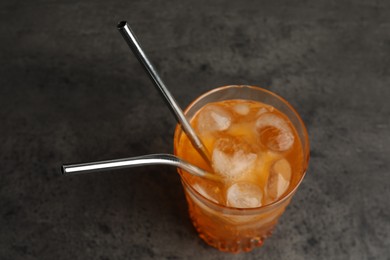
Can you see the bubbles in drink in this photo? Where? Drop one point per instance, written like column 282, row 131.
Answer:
column 232, row 158
column 278, row 179
column 244, row 195
column 213, row 118
column 274, row 132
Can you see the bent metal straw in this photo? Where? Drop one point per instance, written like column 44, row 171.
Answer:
column 151, row 159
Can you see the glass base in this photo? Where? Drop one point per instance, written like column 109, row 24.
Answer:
column 237, row 245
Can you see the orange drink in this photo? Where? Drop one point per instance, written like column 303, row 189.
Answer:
column 258, row 145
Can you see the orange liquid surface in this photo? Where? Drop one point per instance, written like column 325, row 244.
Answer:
column 235, row 132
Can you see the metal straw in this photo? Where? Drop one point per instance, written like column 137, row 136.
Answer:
column 151, row 159
column 132, row 41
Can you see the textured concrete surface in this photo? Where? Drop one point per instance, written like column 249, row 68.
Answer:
column 70, row 91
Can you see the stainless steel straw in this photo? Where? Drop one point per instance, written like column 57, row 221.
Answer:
column 150, row 159
column 134, row 45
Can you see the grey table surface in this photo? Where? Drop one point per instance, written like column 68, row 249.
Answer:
column 70, row 91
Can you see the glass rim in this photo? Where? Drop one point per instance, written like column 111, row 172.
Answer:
column 286, row 196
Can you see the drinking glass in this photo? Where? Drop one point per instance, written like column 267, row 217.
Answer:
column 239, row 229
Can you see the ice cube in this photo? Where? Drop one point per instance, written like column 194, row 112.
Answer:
column 275, row 132
column 208, row 195
column 262, row 110
column 244, row 195
column 265, row 109
column 232, row 158
column 279, row 179
column 213, row 118
column 242, row 109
